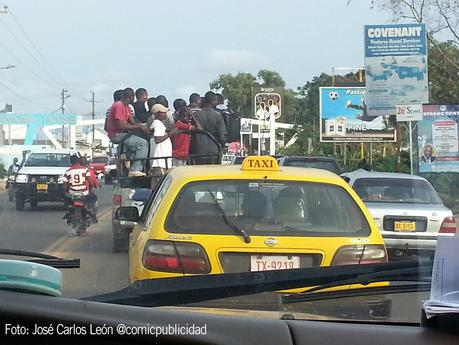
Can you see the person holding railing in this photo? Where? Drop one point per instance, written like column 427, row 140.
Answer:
column 122, row 129
column 207, row 145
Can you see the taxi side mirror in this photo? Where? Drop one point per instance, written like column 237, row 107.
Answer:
column 127, row 213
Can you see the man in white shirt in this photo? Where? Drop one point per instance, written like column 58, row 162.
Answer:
column 160, row 142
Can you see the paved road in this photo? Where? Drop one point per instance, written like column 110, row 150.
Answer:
column 42, row 229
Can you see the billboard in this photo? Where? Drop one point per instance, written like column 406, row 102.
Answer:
column 395, row 66
column 344, row 117
column 35, row 122
column 438, row 138
column 267, row 102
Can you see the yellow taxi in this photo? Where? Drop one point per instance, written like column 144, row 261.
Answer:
column 254, row 217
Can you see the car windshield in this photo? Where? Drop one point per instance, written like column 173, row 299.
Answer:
column 396, row 190
column 162, row 142
column 313, row 163
column 48, row 160
column 99, row 160
column 281, row 208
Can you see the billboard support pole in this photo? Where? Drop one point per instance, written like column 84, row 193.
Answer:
column 411, row 147
column 397, row 135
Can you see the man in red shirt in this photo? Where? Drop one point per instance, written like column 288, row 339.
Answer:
column 92, row 183
column 184, row 123
column 121, row 127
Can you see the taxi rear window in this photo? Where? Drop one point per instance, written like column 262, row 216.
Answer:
column 260, row 207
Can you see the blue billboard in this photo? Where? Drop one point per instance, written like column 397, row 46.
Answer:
column 35, row 122
column 438, row 138
column 395, row 66
column 344, row 117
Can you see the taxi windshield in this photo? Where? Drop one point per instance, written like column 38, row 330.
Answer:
column 261, row 207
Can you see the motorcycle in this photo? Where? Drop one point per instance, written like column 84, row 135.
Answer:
column 78, row 216
column 10, row 182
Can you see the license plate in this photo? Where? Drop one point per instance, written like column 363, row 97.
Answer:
column 273, row 262
column 42, row 187
column 405, row 226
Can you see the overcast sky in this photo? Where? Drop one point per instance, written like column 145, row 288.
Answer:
column 169, row 47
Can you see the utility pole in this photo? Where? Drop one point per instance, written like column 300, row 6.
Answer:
column 63, row 98
column 93, row 117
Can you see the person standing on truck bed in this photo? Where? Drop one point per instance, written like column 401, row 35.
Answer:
column 121, row 128
column 195, row 103
column 211, row 122
column 141, row 113
column 184, row 122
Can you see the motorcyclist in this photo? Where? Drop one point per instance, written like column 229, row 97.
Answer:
column 91, row 198
column 78, row 183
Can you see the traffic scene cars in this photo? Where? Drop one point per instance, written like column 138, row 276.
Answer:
column 292, row 185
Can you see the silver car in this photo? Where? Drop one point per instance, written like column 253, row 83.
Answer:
column 406, row 208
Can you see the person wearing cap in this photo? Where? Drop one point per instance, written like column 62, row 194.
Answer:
column 160, row 143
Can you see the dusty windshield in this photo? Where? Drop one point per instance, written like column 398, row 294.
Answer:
column 48, row 160
column 396, row 190
column 166, row 139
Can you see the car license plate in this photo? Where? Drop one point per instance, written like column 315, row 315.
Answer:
column 43, row 187
column 405, row 226
column 273, row 262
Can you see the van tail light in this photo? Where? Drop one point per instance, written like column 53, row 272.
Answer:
column 116, row 199
column 448, row 226
column 360, row 254
column 177, row 257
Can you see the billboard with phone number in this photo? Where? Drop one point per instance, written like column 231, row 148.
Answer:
column 438, row 138
column 395, row 66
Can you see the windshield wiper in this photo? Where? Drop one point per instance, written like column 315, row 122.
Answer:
column 44, row 259
column 419, row 277
column 234, row 227
column 199, row 288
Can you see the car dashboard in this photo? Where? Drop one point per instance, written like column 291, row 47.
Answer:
column 101, row 323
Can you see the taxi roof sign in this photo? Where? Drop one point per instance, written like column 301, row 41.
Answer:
column 260, row 163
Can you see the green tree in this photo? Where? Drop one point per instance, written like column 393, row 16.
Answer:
column 443, row 77
column 269, row 78
column 237, row 89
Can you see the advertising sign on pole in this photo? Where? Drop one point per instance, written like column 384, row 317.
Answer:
column 344, row 117
column 408, row 112
column 267, row 103
column 438, row 138
column 395, row 66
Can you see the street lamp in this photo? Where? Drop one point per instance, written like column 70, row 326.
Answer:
column 9, row 66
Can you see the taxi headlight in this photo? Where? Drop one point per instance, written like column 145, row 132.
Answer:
column 21, row 178
column 51, row 179
column 33, row 180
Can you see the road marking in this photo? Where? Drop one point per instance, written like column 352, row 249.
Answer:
column 63, row 243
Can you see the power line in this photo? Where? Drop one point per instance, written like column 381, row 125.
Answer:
column 36, row 49
column 28, row 52
column 26, row 66
column 18, row 95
